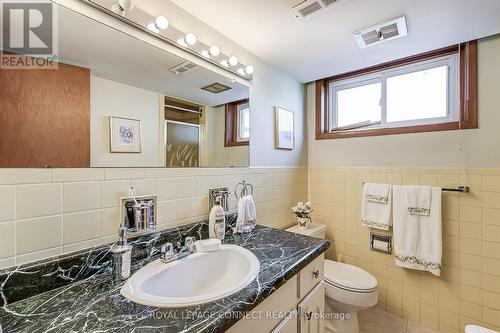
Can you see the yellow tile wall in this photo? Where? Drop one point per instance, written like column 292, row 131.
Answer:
column 468, row 291
column 48, row 212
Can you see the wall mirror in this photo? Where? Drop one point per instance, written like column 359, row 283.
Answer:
column 130, row 105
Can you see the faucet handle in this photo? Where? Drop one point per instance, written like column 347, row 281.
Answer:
column 189, row 244
column 167, row 250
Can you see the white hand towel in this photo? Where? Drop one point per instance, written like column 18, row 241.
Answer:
column 241, row 218
column 419, row 200
column 250, row 211
column 376, row 192
column 417, row 238
column 376, row 214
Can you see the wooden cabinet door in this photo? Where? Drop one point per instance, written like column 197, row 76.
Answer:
column 311, row 310
column 45, row 117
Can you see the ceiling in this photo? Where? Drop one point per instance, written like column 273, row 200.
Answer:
column 323, row 45
column 136, row 63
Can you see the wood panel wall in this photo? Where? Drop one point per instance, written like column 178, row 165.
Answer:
column 45, row 117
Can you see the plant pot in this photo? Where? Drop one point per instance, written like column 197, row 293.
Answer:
column 303, row 222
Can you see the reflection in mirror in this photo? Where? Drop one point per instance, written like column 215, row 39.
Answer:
column 173, row 113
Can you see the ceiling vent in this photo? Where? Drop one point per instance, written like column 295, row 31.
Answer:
column 183, row 68
column 381, row 32
column 216, row 88
column 303, row 9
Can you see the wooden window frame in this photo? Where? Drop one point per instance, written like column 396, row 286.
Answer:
column 231, row 119
column 468, row 95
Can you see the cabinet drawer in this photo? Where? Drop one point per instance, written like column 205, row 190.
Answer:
column 282, row 300
column 311, row 275
column 288, row 325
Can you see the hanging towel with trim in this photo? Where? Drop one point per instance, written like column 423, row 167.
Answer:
column 417, row 238
column 376, row 206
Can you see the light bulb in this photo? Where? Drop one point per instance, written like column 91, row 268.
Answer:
column 191, row 38
column 161, row 22
column 205, row 54
column 233, row 61
column 224, row 63
column 241, row 71
column 182, row 42
column 214, row 50
column 126, row 4
column 249, row 69
column 152, row 27
column 115, row 8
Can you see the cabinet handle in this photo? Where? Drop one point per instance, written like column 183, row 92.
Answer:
column 309, row 315
column 316, row 274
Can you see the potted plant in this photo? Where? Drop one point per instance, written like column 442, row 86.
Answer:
column 303, row 213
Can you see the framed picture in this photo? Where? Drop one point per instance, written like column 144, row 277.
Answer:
column 285, row 129
column 125, row 135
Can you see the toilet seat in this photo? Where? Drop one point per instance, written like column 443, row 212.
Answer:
column 349, row 278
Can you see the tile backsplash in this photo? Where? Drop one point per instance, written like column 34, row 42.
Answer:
column 468, row 291
column 48, row 212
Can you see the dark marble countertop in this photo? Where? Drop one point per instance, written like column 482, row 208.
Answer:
column 83, row 297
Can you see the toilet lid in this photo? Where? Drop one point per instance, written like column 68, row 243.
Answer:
column 349, row 277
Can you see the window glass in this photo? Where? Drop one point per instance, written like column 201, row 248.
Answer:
column 359, row 104
column 418, row 95
column 243, row 122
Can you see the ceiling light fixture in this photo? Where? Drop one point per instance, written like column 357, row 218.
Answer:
column 214, row 50
column 152, row 27
column 155, row 24
column 182, row 42
column 205, row 54
column 233, row 61
column 249, row 69
column 161, row 23
column 191, row 38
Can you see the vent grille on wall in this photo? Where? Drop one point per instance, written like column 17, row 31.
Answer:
column 183, row 67
column 381, row 32
column 306, row 8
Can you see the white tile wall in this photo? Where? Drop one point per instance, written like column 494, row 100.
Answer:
column 48, row 212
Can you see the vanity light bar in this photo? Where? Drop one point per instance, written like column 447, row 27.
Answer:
column 159, row 27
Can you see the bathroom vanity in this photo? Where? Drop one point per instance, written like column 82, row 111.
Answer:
column 77, row 292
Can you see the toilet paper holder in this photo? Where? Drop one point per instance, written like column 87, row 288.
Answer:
column 376, row 239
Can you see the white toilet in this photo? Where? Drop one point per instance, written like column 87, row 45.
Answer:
column 477, row 329
column 348, row 289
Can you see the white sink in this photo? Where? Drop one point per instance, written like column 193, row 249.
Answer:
column 196, row 279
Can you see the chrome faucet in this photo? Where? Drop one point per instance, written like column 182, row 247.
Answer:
column 170, row 253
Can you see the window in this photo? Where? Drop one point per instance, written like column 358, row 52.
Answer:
column 237, row 123
column 428, row 92
column 243, row 122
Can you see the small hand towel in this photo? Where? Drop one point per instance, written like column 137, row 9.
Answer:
column 376, row 214
column 419, row 200
column 241, row 218
column 376, row 192
column 250, row 211
column 417, row 238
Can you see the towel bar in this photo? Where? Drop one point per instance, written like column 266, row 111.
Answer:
column 463, row 189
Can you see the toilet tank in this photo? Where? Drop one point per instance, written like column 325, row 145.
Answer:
column 314, row 230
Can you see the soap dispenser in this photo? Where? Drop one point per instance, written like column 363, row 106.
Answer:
column 122, row 252
column 217, row 220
